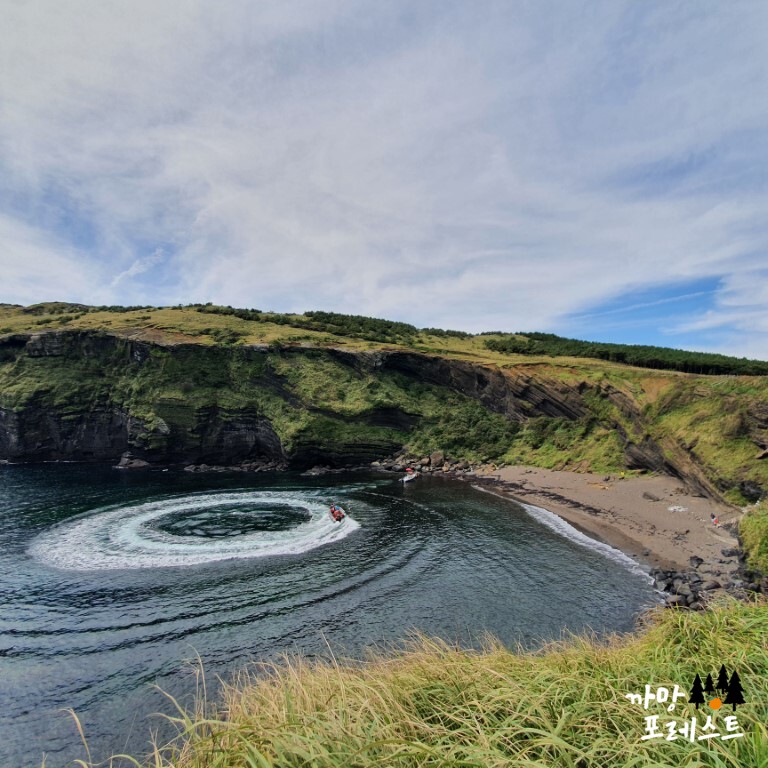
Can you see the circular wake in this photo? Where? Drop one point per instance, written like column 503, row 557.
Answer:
column 190, row 530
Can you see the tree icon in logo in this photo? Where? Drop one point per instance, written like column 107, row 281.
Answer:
column 697, row 692
column 730, row 690
column 735, row 693
column 722, row 680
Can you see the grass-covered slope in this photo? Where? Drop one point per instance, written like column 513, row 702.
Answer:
column 436, row 706
column 325, row 388
column 753, row 531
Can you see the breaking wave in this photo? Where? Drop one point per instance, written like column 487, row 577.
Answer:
column 191, row 530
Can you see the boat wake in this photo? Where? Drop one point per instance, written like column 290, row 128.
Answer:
column 191, row 530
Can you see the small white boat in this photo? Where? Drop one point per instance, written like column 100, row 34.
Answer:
column 410, row 476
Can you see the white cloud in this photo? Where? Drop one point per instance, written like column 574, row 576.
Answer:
column 35, row 268
column 477, row 166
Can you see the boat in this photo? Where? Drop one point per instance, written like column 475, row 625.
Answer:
column 410, row 476
column 337, row 513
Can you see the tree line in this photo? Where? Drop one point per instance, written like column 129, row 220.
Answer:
column 641, row 355
column 361, row 327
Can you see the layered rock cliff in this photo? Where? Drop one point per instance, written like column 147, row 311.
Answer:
column 93, row 396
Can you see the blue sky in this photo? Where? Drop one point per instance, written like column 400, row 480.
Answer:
column 597, row 170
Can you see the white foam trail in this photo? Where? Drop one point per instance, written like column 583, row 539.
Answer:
column 113, row 538
column 560, row 526
column 557, row 524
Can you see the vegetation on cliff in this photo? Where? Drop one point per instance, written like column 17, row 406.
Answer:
column 564, row 705
column 322, row 387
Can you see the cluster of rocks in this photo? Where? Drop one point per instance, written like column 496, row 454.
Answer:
column 324, row 469
column 694, row 588
column 437, row 461
column 245, row 466
column 129, row 461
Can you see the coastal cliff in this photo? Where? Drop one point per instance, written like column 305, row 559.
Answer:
column 99, row 394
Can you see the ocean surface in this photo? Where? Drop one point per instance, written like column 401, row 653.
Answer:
column 112, row 581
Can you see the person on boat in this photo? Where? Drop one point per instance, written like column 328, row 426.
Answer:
column 337, row 513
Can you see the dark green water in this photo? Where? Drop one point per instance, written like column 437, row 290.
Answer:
column 109, row 580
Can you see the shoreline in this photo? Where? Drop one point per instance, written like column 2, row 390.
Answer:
column 653, row 519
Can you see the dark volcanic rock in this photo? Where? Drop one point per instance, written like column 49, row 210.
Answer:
column 676, row 601
column 96, row 431
column 436, row 459
column 129, row 461
column 751, row 490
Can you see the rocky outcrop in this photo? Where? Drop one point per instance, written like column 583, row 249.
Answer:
column 99, row 431
column 702, row 582
column 104, row 432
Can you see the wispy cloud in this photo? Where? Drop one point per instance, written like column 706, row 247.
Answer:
column 477, row 166
column 139, row 267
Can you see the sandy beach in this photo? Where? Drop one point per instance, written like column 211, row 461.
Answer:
column 652, row 518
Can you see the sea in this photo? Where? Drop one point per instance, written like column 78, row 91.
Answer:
column 117, row 587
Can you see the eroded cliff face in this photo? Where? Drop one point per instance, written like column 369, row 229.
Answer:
column 100, row 431
column 92, row 396
column 70, row 400
column 514, row 394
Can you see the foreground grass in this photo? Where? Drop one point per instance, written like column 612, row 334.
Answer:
column 437, row 706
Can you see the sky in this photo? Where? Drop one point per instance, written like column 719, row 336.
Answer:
column 597, row 170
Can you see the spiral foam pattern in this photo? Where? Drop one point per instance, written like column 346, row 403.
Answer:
column 219, row 526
